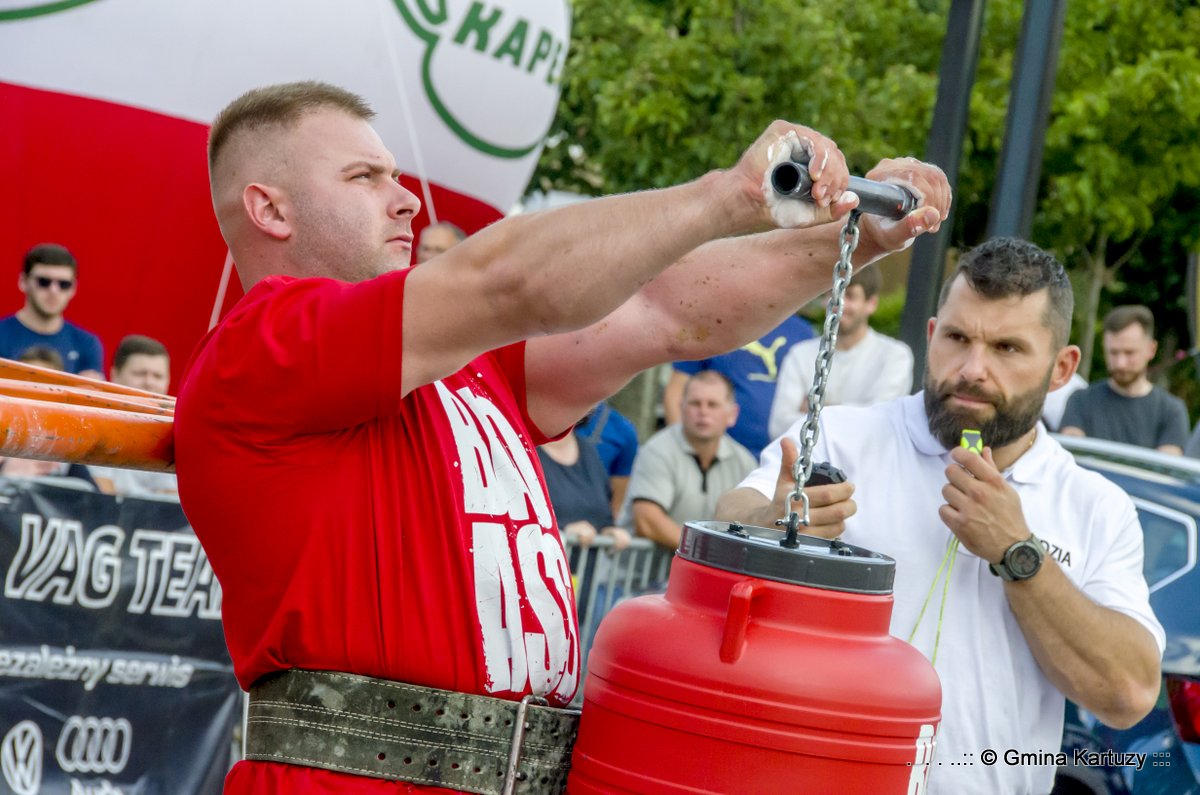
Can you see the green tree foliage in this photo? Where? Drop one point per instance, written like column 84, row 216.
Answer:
column 658, row 91
column 1122, row 160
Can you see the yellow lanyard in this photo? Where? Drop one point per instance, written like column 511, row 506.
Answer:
column 948, row 558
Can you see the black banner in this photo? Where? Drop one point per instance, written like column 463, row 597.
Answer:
column 114, row 677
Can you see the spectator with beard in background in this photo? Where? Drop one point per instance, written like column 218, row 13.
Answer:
column 1126, row 407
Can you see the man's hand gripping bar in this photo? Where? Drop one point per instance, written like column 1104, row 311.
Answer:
column 791, row 179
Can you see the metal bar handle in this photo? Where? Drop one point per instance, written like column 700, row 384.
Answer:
column 791, row 179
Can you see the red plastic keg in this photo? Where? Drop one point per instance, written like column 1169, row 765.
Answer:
column 762, row 669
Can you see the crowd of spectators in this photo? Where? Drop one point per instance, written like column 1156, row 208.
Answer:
column 39, row 334
column 719, row 413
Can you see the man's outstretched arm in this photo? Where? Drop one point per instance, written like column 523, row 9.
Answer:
column 564, row 269
column 714, row 299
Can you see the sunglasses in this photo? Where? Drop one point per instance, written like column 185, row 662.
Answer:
column 45, row 282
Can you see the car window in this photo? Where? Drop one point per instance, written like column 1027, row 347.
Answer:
column 1170, row 543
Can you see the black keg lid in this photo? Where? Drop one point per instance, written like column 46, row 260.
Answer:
column 815, row 562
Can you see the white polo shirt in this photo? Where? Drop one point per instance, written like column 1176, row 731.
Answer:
column 994, row 695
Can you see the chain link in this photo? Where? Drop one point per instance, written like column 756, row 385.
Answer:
column 802, row 468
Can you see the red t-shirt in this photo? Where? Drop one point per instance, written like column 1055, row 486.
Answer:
column 352, row 530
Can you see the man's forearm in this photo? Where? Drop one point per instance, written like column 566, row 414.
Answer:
column 750, row 285
column 715, row 299
column 1103, row 660
column 747, row 506
column 573, row 275
column 652, row 522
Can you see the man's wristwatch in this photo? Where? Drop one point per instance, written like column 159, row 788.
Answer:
column 1021, row 561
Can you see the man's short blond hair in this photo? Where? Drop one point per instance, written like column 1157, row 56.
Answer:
column 278, row 106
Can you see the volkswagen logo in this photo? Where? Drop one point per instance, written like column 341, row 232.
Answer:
column 21, row 758
column 94, row 745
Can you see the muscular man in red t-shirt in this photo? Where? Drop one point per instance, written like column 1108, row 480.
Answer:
column 355, row 441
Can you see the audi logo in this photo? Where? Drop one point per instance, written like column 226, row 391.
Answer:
column 94, row 745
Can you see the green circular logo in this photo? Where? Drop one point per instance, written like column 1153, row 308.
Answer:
column 508, row 52
column 39, row 9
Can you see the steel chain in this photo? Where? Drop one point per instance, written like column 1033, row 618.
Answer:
column 802, row 468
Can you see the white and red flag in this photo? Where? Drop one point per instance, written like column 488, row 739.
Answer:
column 105, row 107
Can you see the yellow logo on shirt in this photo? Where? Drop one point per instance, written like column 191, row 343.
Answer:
column 769, row 358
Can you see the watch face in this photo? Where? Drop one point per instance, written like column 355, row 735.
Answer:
column 1024, row 561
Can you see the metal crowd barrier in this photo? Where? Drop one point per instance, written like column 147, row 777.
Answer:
column 602, row 577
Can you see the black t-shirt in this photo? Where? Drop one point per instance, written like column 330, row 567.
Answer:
column 580, row 491
column 1153, row 420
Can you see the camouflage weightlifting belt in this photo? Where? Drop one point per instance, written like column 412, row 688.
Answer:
column 402, row 732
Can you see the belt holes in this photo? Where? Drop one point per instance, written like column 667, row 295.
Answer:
column 487, row 718
column 508, row 721
column 408, row 760
column 476, row 770
column 416, row 707
column 440, row 712
column 382, row 756
column 455, row 765
column 391, row 704
column 464, row 716
column 433, row 763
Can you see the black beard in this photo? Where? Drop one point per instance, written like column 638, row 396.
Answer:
column 1012, row 418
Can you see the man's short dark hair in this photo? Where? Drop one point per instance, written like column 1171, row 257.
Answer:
column 713, row 377
column 43, row 356
column 136, row 344
column 49, row 254
column 1005, row 266
column 1122, row 317
column 280, row 105
column 870, row 280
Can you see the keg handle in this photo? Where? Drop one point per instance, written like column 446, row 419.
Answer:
column 790, row 179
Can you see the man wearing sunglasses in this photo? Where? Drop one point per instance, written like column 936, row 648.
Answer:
column 48, row 282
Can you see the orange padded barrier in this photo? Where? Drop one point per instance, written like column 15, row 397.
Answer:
column 56, row 416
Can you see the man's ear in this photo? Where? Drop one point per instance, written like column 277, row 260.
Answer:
column 23, row 282
column 929, row 329
column 265, row 207
column 1065, row 364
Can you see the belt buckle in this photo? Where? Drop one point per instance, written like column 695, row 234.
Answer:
column 512, row 775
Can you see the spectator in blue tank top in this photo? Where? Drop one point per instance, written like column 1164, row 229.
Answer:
column 616, row 441
column 48, row 281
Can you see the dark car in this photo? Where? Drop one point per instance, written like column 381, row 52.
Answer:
column 1166, row 491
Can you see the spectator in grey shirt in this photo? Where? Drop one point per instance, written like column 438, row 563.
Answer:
column 681, row 471
column 1126, row 407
